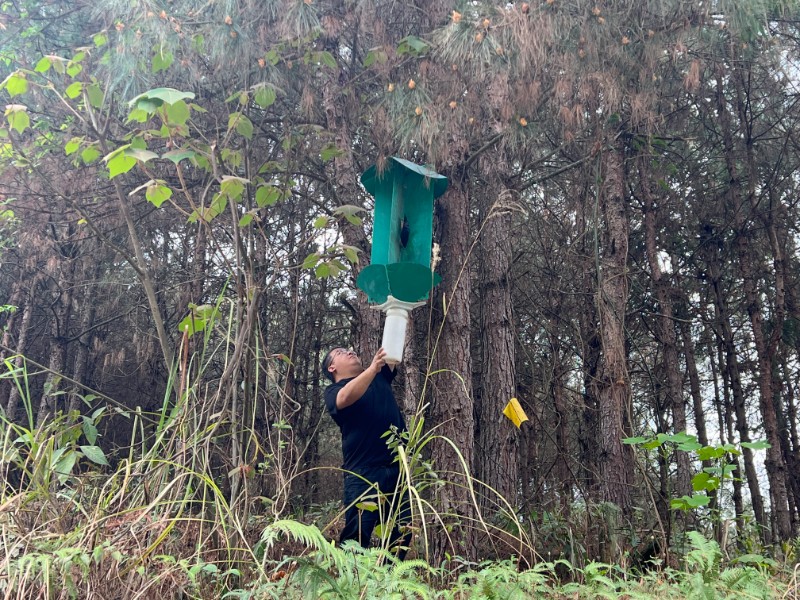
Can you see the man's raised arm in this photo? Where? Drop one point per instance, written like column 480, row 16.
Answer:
column 354, row 389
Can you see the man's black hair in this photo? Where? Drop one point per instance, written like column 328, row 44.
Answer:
column 326, row 362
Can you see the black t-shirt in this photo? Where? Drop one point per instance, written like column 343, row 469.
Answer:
column 365, row 421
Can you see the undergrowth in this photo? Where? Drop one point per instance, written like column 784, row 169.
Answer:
column 156, row 521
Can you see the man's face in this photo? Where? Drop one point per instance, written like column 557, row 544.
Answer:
column 343, row 359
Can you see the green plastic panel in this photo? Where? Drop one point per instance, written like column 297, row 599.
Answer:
column 404, row 194
column 409, row 282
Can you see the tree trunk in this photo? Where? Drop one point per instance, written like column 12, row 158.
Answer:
column 733, row 377
column 775, row 465
column 451, row 400
column 497, row 437
column 613, row 383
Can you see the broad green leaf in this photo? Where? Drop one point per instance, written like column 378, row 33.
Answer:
column 241, row 123
column 323, row 270
column 96, row 95
column 272, row 57
column 157, row 194
column 330, row 152
column 218, row 205
column 90, row 154
column 689, row 502
column 178, row 113
column 758, row 445
column 698, row 500
column 265, row 96
column 232, row 158
column 311, row 260
column 138, row 115
column 191, row 325
column 232, row 186
column 326, row 58
column 140, row 154
column 72, row 146
column 178, row 155
column 159, row 96
column 689, row 446
column 44, row 64
column 348, row 210
column 412, row 45
column 73, row 68
column 119, row 164
column 755, row 559
column 59, row 64
column 73, row 90
column 17, row 117
column 634, row 440
column 351, row 253
column 368, row 506
column 16, row 84
column 710, row 453
column 321, row 222
column 681, row 438
column 94, row 454
column 89, row 430
column 376, row 55
column 267, row 195
column 246, row 219
column 162, row 60
column 148, row 106
column 244, row 127
column 703, row 482
column 100, row 39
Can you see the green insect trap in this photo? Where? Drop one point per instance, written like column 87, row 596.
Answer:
column 399, row 277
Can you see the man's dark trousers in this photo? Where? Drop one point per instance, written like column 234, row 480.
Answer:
column 359, row 523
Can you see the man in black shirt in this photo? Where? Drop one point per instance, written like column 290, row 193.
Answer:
column 362, row 404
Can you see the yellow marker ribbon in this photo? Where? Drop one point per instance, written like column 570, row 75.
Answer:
column 514, row 411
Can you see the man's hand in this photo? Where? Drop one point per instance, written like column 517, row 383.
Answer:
column 378, row 361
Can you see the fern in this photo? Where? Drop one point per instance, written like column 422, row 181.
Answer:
column 309, row 535
column 745, row 582
column 705, row 557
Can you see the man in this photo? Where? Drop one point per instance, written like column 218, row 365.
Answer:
column 362, row 404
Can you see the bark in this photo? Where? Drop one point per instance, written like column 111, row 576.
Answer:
column 737, row 197
column 734, row 380
column 450, row 387
column 613, row 383
column 497, row 437
column 590, row 353
column 689, row 354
